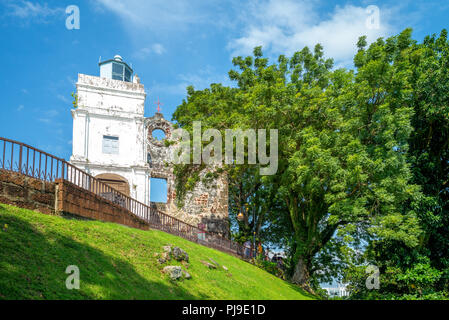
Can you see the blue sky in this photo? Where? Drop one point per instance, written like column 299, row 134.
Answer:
column 170, row 44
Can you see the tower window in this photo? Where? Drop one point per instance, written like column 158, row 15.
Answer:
column 121, row 72
column 110, row 145
column 117, row 71
column 127, row 75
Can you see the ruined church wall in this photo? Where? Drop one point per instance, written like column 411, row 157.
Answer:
column 206, row 204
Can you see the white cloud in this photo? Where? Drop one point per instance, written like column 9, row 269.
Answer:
column 63, row 98
column 71, row 81
column 161, row 14
column 158, row 48
column 280, row 26
column 45, row 120
column 200, row 80
column 48, row 116
column 155, row 48
column 286, row 26
column 28, row 10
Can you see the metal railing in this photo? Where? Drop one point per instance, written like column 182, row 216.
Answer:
column 19, row 157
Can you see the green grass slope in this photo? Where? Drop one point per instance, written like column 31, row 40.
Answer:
column 116, row 262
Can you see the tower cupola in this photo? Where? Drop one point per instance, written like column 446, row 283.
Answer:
column 116, row 69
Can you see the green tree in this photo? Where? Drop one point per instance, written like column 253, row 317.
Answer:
column 254, row 200
column 429, row 147
column 342, row 144
column 421, row 272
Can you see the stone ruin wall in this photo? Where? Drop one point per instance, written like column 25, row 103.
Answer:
column 206, row 204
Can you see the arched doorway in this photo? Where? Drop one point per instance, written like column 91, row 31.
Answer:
column 115, row 181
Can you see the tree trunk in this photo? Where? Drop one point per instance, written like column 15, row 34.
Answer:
column 301, row 276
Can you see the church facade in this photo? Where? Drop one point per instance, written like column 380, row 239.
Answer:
column 113, row 141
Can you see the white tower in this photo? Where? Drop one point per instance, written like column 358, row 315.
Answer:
column 108, row 129
column 114, row 143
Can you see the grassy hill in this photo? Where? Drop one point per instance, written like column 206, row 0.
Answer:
column 116, row 262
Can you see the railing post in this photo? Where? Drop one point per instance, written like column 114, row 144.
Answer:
column 51, row 170
column 40, row 160
column 34, row 162
column 28, row 157
column 20, row 158
column 45, row 171
column 12, row 158
column 4, row 150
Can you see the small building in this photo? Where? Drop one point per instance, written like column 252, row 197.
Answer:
column 115, row 142
column 339, row 291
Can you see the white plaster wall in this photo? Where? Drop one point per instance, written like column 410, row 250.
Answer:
column 78, row 137
column 113, row 108
column 124, row 129
column 141, row 186
column 106, row 70
column 112, row 97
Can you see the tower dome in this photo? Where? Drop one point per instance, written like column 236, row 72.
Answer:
column 116, row 69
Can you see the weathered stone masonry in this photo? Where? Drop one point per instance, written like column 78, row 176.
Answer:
column 205, row 204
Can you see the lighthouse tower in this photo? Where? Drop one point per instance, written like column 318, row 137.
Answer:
column 114, row 142
column 108, row 129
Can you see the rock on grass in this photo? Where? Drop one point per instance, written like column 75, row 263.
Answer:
column 174, row 272
column 209, row 265
column 186, row 274
column 179, row 254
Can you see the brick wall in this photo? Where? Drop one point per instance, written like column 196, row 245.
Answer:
column 62, row 197
column 75, row 200
column 25, row 192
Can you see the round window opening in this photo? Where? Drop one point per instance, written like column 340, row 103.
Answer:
column 158, row 134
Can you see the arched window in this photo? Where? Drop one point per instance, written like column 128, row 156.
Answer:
column 158, row 134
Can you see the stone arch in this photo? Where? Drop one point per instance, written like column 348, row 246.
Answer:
column 115, row 181
column 159, row 123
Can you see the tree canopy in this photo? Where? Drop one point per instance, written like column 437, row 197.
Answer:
column 362, row 158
